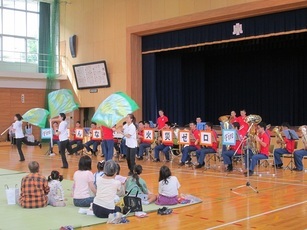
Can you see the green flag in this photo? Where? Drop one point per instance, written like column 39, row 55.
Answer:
column 36, row 116
column 61, row 101
column 113, row 109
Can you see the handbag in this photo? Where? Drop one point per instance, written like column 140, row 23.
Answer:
column 12, row 194
column 132, row 203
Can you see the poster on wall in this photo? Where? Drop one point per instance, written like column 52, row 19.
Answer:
column 91, row 75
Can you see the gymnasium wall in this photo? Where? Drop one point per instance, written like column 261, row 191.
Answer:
column 101, row 29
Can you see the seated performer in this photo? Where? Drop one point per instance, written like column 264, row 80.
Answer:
column 287, row 144
column 194, row 144
column 164, row 148
column 95, row 143
column 76, row 140
column 263, row 140
column 55, row 137
column 28, row 133
column 299, row 154
column 237, row 148
column 201, row 153
column 143, row 144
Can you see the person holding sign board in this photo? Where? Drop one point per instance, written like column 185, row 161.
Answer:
column 234, row 150
column 208, row 134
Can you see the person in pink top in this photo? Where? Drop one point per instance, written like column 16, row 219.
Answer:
column 162, row 119
column 194, row 144
column 263, row 140
column 201, row 153
column 107, row 144
column 84, row 189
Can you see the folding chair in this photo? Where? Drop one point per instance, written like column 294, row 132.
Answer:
column 290, row 165
column 213, row 156
column 267, row 163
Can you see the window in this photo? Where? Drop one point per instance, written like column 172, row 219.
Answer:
column 19, row 32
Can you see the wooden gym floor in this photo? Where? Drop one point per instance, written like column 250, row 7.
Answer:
column 280, row 204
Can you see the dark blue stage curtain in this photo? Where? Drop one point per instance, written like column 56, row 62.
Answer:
column 254, row 26
column 265, row 76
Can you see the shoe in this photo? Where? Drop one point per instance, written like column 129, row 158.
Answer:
column 296, row 169
column 64, row 167
column 181, row 164
column 22, row 160
column 156, row 160
column 167, row 160
column 51, row 154
column 250, row 173
column 278, row 166
column 164, row 211
column 229, row 168
column 199, row 166
column 140, row 158
column 40, row 145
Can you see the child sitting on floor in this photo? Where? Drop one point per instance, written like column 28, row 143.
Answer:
column 136, row 184
column 56, row 193
column 168, row 187
column 99, row 173
column 122, row 180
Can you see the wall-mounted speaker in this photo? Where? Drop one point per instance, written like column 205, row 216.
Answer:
column 73, row 45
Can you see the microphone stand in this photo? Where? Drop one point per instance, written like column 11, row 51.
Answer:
column 247, row 184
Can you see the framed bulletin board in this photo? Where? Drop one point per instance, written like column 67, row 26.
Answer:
column 91, row 75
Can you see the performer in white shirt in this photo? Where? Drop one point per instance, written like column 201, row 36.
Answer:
column 20, row 138
column 130, row 135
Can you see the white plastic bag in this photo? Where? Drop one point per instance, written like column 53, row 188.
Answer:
column 12, row 194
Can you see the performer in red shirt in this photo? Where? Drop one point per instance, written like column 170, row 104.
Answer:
column 263, row 140
column 107, row 144
column 201, row 153
column 241, row 119
column 234, row 149
column 194, row 144
column 161, row 120
column 287, row 144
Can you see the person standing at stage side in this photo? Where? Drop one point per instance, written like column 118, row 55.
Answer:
column 107, row 144
column 162, row 119
column 20, row 138
column 130, row 134
column 241, row 119
column 263, row 140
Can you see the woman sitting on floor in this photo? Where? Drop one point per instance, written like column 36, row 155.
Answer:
column 84, row 183
column 107, row 187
